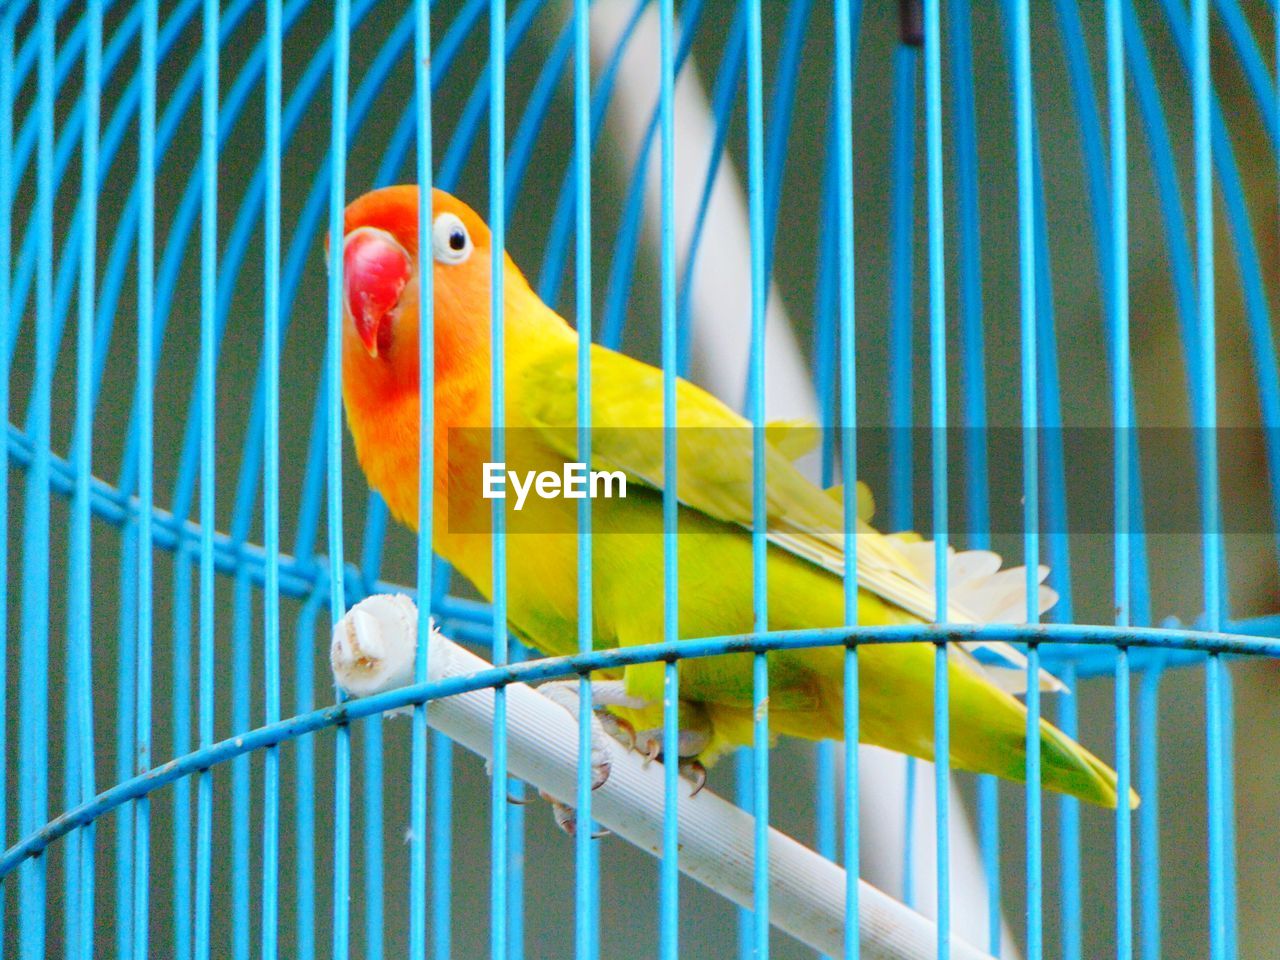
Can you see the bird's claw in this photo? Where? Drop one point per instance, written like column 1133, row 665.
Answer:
column 567, row 818
column 690, row 744
column 600, row 773
column 618, row 728
column 693, row 771
column 652, row 750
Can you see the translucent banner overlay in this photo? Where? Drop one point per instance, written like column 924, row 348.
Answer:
column 541, row 479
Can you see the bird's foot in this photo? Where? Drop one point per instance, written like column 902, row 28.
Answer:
column 689, row 745
column 565, row 816
column 618, row 728
column 604, row 726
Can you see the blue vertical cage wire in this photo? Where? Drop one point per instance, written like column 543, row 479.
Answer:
column 225, row 827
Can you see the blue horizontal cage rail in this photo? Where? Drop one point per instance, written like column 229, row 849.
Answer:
column 178, row 782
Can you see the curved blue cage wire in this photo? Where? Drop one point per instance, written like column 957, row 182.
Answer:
column 1036, row 247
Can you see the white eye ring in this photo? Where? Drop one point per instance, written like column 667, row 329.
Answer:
column 450, row 242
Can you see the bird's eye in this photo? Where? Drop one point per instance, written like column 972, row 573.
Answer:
column 449, row 239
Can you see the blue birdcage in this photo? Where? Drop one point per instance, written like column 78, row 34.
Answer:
column 1017, row 263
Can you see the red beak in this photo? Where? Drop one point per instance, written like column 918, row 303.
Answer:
column 375, row 269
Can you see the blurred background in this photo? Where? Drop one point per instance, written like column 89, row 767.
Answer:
column 888, row 85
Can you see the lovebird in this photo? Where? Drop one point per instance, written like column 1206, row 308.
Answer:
column 382, row 264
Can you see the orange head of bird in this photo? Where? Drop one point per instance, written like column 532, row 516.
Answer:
column 381, row 265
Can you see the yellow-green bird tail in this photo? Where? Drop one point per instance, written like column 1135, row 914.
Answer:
column 1069, row 768
column 988, row 726
column 806, row 699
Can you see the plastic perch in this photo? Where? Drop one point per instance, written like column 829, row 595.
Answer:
column 373, row 650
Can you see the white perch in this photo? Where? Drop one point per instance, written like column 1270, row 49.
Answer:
column 373, row 650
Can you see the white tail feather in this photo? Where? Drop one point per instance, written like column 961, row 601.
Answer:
column 978, row 588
